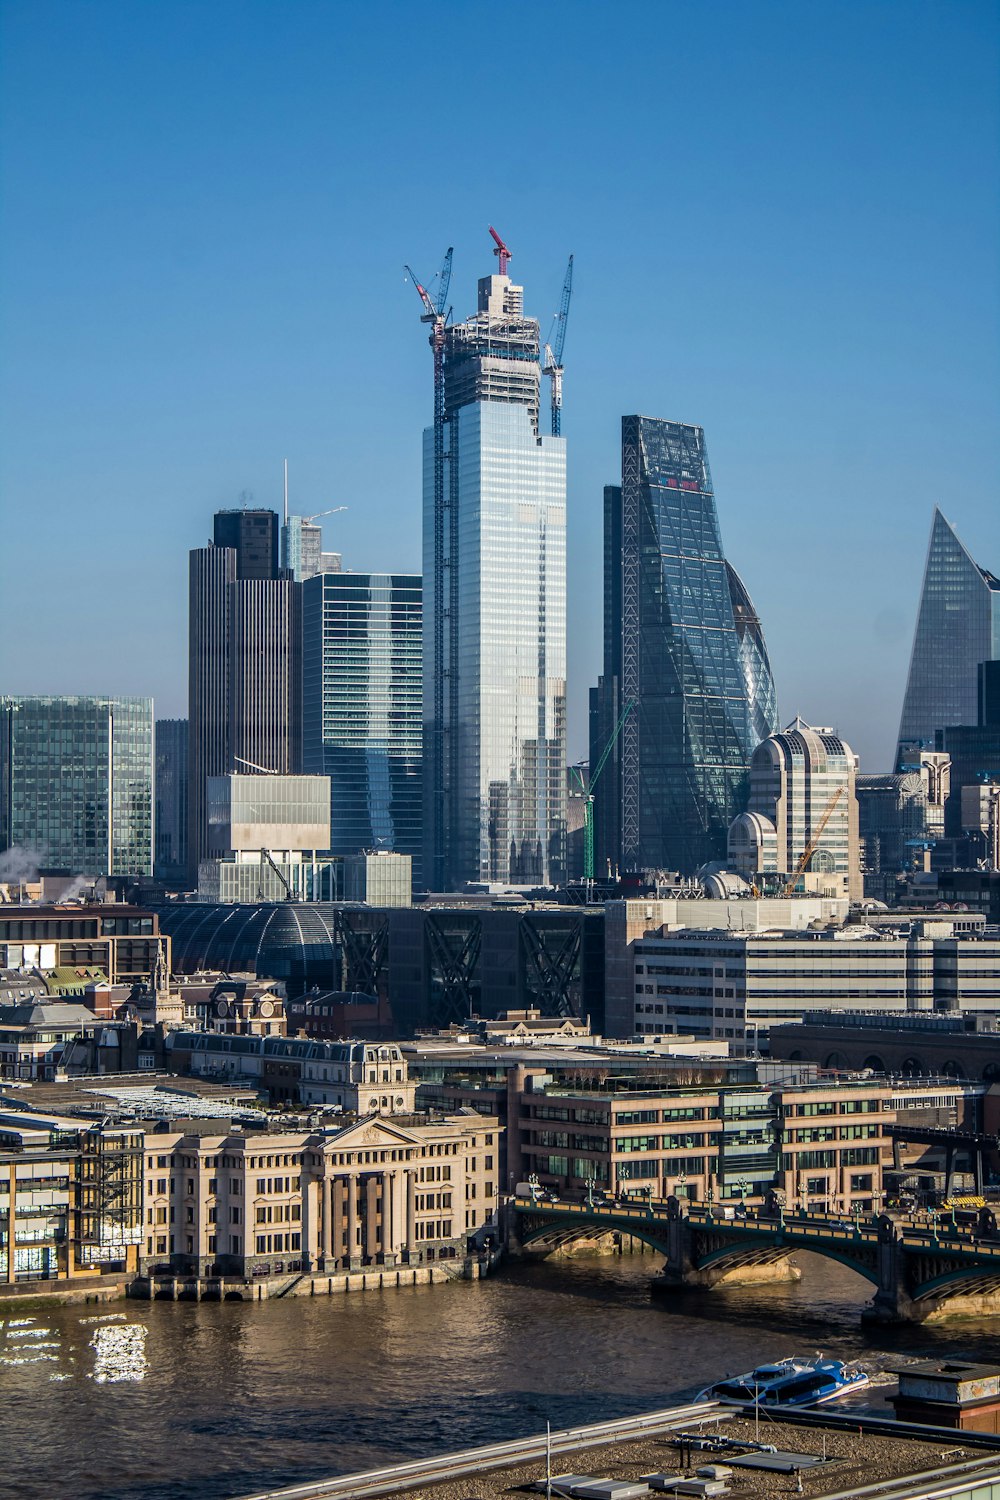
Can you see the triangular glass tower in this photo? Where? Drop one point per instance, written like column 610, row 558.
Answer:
column 958, row 626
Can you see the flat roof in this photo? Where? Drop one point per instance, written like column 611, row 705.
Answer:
column 843, row 1456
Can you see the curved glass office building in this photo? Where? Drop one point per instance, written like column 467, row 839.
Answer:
column 684, row 662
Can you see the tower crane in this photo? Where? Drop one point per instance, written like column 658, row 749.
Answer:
column 434, row 313
column 588, row 792
column 810, row 848
column 503, row 252
column 334, row 511
column 553, row 365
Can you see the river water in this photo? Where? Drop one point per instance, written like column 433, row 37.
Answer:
column 187, row 1401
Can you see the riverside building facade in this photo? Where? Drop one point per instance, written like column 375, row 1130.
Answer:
column 822, row 1146
column 368, row 1192
column 494, row 708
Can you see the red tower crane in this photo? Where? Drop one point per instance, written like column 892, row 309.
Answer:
column 502, row 252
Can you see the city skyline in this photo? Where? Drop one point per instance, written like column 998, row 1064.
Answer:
column 296, row 339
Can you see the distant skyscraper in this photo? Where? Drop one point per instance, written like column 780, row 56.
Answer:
column 244, row 667
column 684, row 648
column 361, row 698
column 958, row 626
column 302, row 550
column 170, row 861
column 802, row 792
column 76, row 783
column 495, row 610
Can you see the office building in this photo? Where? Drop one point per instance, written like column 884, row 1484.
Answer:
column 737, row 985
column 958, row 626
column 362, row 699
column 266, row 837
column 70, row 1197
column 76, row 783
column 901, row 821
column 302, row 550
column 495, row 606
column 801, row 822
column 72, row 943
column 685, row 672
column 244, row 666
column 378, row 877
column 974, row 754
column 367, row 1192
column 171, row 787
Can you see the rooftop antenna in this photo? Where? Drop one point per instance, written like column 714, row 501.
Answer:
column 286, row 491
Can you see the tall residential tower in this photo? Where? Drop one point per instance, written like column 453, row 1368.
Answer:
column 494, row 607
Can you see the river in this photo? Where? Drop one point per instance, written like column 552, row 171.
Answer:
column 187, row 1401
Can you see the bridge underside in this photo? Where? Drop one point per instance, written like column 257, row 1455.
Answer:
column 923, row 1282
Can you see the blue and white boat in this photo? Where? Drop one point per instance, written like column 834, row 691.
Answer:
column 790, row 1382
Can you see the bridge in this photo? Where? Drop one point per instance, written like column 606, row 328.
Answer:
column 917, row 1271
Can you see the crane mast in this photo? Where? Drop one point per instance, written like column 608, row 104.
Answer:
column 434, row 314
column 553, row 365
column 810, row 848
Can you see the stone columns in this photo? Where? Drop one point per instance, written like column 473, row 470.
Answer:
column 353, row 1258
column 327, row 1190
column 411, row 1214
column 371, row 1215
column 388, row 1214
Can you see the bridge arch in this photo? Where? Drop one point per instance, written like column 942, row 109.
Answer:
column 781, row 1251
column 553, row 1233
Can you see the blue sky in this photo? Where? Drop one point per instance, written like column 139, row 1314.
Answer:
column 786, row 226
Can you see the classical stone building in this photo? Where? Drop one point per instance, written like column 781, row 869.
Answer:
column 370, row 1192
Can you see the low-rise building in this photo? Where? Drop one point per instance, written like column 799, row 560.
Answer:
column 70, row 1197
column 360, row 1077
column 824, row 1145
column 367, row 1192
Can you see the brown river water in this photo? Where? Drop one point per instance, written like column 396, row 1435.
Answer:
column 189, row 1401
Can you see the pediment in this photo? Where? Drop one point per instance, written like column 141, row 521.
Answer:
column 374, row 1132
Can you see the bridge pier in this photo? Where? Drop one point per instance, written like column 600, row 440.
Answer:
column 681, row 1270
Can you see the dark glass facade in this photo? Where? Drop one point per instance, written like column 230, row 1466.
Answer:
column 244, row 663
column 170, row 861
column 958, row 626
column 685, row 646
column 361, row 691
column 76, row 783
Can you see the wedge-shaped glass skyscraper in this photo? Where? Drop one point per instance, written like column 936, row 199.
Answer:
column 958, row 626
column 685, row 660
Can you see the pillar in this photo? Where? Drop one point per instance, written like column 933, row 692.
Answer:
column 327, row 1190
column 336, row 1199
column 388, row 1213
column 411, row 1214
column 371, row 1216
column 352, row 1220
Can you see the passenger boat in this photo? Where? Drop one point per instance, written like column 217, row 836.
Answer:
column 790, row 1382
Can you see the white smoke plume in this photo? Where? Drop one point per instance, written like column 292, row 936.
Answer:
column 20, row 864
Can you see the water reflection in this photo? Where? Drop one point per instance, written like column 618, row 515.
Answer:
column 212, row 1401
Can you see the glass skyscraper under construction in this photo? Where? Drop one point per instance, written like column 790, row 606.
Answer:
column 686, row 670
column 958, row 626
column 495, row 610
